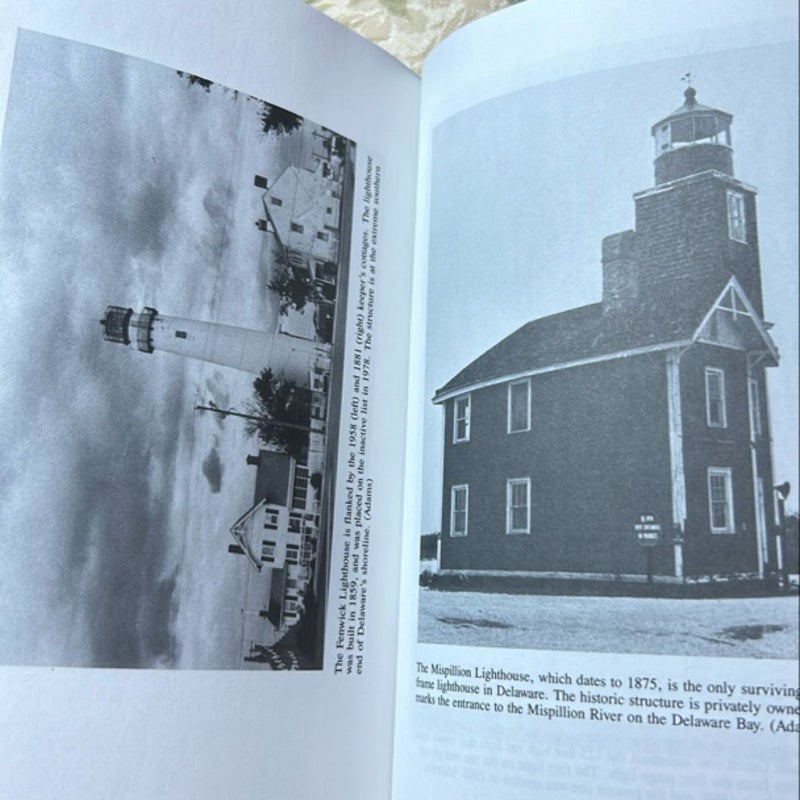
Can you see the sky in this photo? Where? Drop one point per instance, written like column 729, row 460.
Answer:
column 122, row 184
column 525, row 186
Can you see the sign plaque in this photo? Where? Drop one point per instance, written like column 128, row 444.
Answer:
column 648, row 531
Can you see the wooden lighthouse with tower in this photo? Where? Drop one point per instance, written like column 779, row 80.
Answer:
column 651, row 401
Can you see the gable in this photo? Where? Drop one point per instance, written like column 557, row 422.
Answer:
column 733, row 323
column 243, row 533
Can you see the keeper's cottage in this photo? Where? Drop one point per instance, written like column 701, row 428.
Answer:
column 646, row 409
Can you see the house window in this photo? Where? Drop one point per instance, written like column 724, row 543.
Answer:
column 519, row 406
column 720, row 500
column 322, row 236
column 736, row 226
column 755, row 409
column 296, row 228
column 715, row 398
column 295, row 523
column 300, row 489
column 292, row 553
column 271, row 520
column 461, row 415
column 319, row 381
column 268, row 551
column 459, row 510
column 276, row 201
column 518, row 505
column 180, row 334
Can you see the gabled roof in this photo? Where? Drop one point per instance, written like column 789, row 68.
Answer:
column 586, row 334
column 273, row 476
column 733, row 322
column 296, row 187
column 242, row 532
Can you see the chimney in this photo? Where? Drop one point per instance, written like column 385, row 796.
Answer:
column 620, row 274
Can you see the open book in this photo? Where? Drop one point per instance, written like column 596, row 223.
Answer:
column 468, row 403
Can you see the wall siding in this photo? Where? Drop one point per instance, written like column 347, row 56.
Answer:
column 597, row 456
column 706, row 552
column 684, row 245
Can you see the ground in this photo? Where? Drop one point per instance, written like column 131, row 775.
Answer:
column 762, row 627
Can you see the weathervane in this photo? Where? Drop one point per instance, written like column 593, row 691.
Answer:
column 689, row 92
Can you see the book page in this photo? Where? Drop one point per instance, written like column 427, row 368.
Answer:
column 206, row 247
column 600, row 569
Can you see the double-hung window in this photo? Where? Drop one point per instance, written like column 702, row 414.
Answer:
column 716, row 416
column 518, row 505
column 267, row 551
column 720, row 500
column 271, row 519
column 292, row 553
column 736, row 220
column 461, row 415
column 459, row 510
column 519, row 406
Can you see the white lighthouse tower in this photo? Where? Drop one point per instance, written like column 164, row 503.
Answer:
column 241, row 348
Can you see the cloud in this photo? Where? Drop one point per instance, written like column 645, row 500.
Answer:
column 115, row 188
column 151, row 218
column 213, row 470
column 116, row 536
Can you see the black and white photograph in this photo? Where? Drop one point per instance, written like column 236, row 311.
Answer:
column 610, row 458
column 174, row 284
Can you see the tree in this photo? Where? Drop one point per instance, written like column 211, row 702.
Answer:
column 295, row 288
column 196, row 80
column 279, row 120
column 278, row 404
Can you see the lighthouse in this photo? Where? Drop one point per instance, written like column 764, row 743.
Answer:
column 652, row 403
column 227, row 345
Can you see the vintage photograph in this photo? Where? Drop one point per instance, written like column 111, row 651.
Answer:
column 610, row 459
column 174, row 284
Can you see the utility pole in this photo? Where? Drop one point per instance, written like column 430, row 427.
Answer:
column 229, row 412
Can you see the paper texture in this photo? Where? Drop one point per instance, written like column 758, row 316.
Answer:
column 132, row 180
column 533, row 161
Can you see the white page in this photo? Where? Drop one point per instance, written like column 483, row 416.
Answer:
column 200, row 732
column 481, row 274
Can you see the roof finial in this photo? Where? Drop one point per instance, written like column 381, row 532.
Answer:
column 690, row 92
